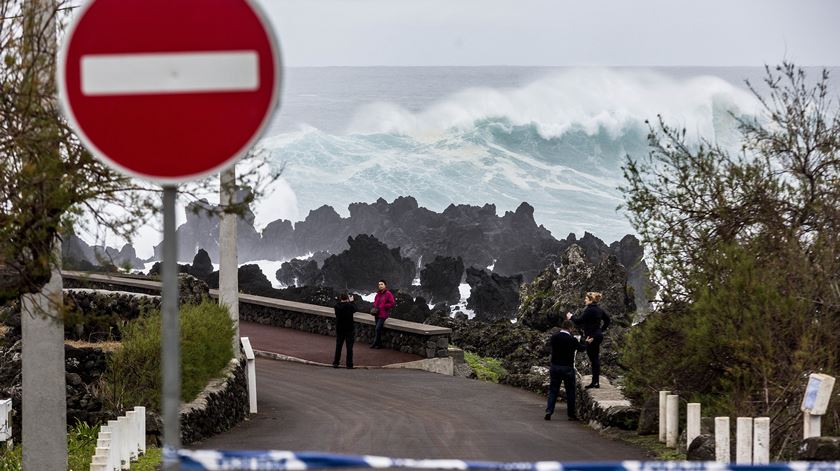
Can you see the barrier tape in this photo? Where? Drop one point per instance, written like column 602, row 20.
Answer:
column 213, row 460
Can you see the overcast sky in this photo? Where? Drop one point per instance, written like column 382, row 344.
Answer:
column 556, row 32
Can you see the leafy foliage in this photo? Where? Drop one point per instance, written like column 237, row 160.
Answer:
column 746, row 252
column 134, row 371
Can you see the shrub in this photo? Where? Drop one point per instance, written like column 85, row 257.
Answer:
column 486, row 368
column 134, row 373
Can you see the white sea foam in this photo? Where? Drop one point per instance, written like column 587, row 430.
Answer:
column 588, row 98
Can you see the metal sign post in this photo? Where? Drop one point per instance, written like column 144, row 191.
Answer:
column 170, row 335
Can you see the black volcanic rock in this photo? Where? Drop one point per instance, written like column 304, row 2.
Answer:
column 630, row 253
column 298, row 272
column 441, row 277
column 76, row 254
column 561, row 287
column 251, row 281
column 202, row 266
column 366, row 262
column 323, row 229
column 492, row 296
column 409, row 308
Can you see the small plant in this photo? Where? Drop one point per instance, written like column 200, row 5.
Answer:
column 486, row 368
column 148, row 462
column 134, row 374
column 81, row 445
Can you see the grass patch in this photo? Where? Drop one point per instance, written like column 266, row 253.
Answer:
column 134, row 371
column 148, row 462
column 649, row 443
column 486, row 368
column 81, row 444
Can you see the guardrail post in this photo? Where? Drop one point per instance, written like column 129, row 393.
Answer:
column 672, row 423
column 761, row 440
column 141, row 429
column 250, row 360
column 114, row 448
column 131, row 443
column 126, row 437
column 692, row 426
column 663, row 395
column 743, row 440
column 722, row 440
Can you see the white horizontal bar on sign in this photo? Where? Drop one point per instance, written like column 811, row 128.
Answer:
column 138, row 74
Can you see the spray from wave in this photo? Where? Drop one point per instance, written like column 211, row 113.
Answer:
column 557, row 143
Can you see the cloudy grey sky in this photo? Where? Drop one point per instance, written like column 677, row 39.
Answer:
column 556, row 32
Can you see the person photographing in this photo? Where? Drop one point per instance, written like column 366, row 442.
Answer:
column 345, row 329
column 594, row 322
column 562, row 368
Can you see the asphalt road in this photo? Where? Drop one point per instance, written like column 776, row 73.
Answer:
column 408, row 414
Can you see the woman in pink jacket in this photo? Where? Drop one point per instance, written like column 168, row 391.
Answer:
column 382, row 305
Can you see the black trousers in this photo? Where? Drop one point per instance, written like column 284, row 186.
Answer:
column 341, row 338
column 593, row 351
column 565, row 375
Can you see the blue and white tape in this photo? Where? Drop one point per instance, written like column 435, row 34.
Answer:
column 213, row 460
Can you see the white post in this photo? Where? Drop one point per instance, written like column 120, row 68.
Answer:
column 761, row 440
column 692, row 426
column 672, row 423
column 228, row 256
column 132, row 442
column 141, row 429
column 722, row 440
column 252, row 374
column 743, row 440
column 126, row 437
column 811, row 425
column 114, row 449
column 6, row 422
column 663, row 395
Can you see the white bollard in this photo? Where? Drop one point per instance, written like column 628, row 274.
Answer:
column 743, row 440
column 250, row 360
column 692, row 425
column 131, row 443
column 114, row 448
column 761, row 440
column 125, row 441
column 141, row 426
column 672, row 423
column 663, row 395
column 811, row 426
column 722, row 440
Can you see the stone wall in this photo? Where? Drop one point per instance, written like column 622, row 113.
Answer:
column 606, row 406
column 429, row 346
column 222, row 405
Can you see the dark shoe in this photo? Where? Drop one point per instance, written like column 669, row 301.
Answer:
column 547, row 417
column 377, row 347
column 335, row 365
column 349, row 367
column 592, row 386
column 573, row 419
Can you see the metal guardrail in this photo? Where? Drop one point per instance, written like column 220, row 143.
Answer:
column 213, row 460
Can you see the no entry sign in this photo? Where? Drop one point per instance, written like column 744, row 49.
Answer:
column 166, row 90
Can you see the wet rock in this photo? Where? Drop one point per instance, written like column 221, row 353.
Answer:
column 702, row 448
column 298, row 272
column 441, row 277
column 492, row 296
column 366, row 262
column 819, row 449
column 649, row 417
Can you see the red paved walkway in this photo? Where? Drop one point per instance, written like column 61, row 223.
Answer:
column 314, row 347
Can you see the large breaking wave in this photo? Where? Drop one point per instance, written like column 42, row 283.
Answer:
column 557, row 143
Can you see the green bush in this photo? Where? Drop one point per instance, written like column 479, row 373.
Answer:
column 134, row 373
column 486, row 368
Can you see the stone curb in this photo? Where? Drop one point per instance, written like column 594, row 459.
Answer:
column 425, row 365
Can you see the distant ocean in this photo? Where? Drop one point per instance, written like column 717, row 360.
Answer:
column 554, row 137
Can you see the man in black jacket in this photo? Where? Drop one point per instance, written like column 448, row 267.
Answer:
column 345, row 331
column 562, row 368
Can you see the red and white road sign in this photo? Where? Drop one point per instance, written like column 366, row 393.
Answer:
column 169, row 90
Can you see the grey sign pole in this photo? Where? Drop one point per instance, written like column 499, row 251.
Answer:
column 170, row 348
